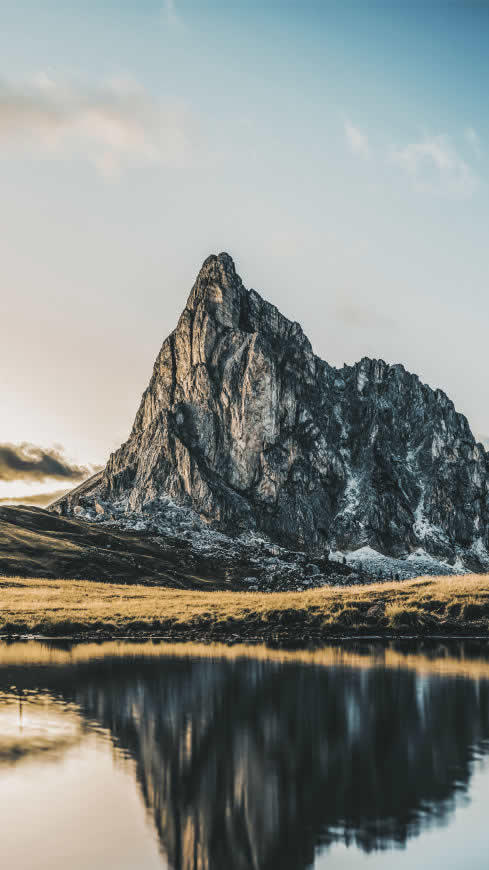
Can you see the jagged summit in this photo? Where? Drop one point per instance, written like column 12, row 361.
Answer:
column 218, row 287
column 244, row 424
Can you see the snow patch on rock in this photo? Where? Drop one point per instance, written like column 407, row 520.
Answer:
column 416, row 564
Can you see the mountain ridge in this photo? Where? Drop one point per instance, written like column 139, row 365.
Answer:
column 244, row 424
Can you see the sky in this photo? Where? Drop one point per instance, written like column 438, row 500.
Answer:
column 339, row 151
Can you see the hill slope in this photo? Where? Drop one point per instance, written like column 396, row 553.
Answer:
column 36, row 543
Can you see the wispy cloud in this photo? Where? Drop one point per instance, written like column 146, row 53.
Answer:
column 361, row 315
column 473, row 139
column 113, row 126
column 170, row 11
column 356, row 140
column 29, row 462
column 40, row 499
column 435, row 165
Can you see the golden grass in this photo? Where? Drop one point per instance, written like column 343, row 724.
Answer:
column 54, row 605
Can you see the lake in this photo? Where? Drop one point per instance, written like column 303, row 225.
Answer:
column 143, row 756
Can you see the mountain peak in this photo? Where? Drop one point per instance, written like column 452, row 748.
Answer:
column 223, row 260
column 218, row 289
column 244, row 424
column 219, row 268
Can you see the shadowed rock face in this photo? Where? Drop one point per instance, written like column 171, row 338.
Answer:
column 243, row 423
column 253, row 764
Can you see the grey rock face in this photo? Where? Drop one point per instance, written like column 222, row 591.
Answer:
column 244, row 424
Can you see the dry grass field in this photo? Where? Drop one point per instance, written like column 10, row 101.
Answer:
column 428, row 605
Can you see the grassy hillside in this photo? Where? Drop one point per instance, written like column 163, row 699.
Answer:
column 35, row 543
column 441, row 605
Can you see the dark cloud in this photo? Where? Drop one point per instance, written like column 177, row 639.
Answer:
column 30, row 463
column 42, row 499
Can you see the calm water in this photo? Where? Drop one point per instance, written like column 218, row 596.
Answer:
column 150, row 756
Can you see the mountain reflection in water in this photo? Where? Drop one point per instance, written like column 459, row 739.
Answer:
column 246, row 763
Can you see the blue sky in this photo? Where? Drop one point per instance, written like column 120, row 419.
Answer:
column 339, row 152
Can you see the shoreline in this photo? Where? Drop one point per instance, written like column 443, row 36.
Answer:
column 428, row 607
column 276, row 640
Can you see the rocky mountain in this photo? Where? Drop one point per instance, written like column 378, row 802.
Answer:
column 243, row 424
